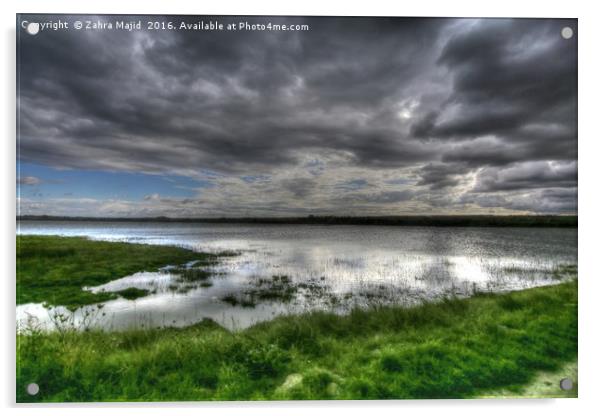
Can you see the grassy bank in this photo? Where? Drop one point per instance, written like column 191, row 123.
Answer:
column 54, row 269
column 451, row 349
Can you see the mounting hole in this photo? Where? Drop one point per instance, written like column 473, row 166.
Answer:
column 566, row 384
column 33, row 389
column 567, row 32
column 33, row 28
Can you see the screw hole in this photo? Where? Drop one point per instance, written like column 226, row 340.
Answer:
column 567, row 32
column 33, row 389
column 566, row 384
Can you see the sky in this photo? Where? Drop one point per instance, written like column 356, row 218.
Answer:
column 355, row 116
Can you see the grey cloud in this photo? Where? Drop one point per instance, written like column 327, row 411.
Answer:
column 299, row 187
column 352, row 184
column 442, row 98
column 440, row 175
column 386, row 197
column 540, row 201
column 528, row 175
column 515, row 80
column 219, row 100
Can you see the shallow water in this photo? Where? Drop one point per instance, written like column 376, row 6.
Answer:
column 331, row 267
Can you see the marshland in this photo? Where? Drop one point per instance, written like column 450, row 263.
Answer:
column 249, row 311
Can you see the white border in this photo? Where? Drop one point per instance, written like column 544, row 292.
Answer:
column 590, row 191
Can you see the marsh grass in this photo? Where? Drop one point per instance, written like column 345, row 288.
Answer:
column 278, row 288
column 238, row 300
column 564, row 271
column 192, row 274
column 450, row 349
column 53, row 270
column 132, row 293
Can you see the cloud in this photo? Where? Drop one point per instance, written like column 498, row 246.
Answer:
column 440, row 175
column 352, row 184
column 28, row 180
column 160, row 102
column 509, row 83
column 298, row 187
column 527, row 175
column 546, row 201
column 290, row 122
column 152, row 197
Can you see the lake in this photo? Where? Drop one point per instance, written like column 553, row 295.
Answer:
column 332, row 268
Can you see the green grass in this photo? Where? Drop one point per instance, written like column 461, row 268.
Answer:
column 451, row 349
column 54, row 269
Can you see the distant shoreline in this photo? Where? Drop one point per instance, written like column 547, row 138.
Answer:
column 565, row 221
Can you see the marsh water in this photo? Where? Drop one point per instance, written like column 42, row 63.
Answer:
column 331, row 268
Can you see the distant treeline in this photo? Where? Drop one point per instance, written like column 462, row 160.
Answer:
column 423, row 220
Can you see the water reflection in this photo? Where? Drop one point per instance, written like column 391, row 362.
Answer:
column 327, row 267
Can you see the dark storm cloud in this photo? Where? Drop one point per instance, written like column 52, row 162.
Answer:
column 528, row 175
column 515, row 80
column 443, row 99
column 219, row 99
column 439, row 176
